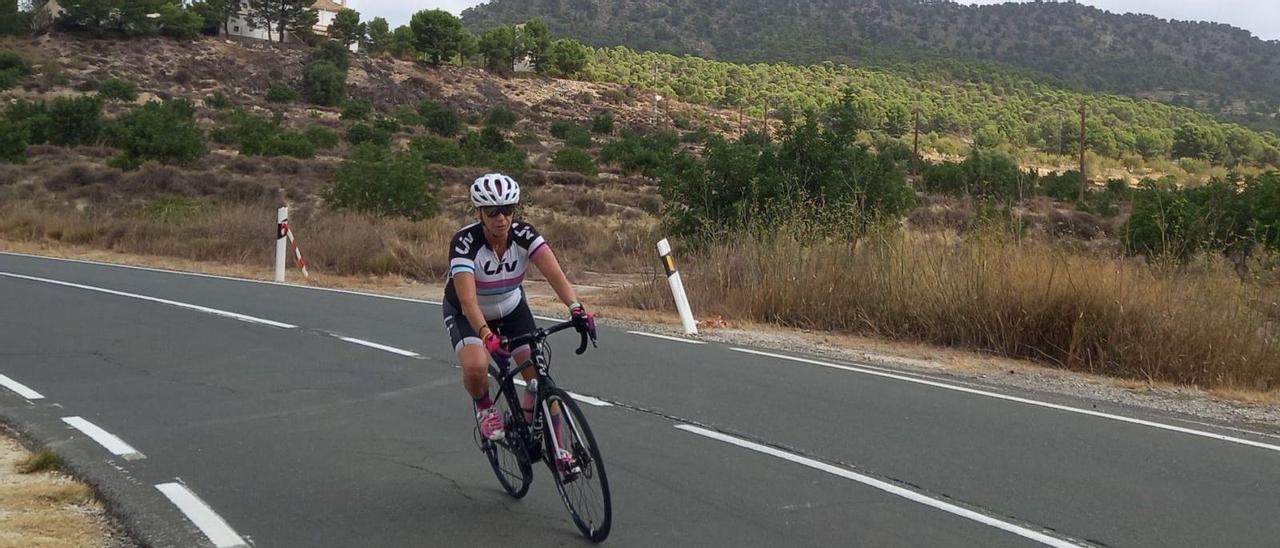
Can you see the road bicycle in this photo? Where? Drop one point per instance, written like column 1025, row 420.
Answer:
column 530, row 434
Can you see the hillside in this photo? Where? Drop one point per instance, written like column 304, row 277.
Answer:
column 1216, row 68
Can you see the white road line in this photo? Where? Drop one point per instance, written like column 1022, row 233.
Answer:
column 997, row 395
column 582, row 398
column 589, row 400
column 22, row 389
column 104, row 438
column 887, row 487
column 382, row 347
column 197, row 308
column 209, row 522
column 217, row 277
column 665, row 337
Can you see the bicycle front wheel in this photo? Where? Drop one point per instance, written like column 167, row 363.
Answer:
column 508, row 457
column 580, row 480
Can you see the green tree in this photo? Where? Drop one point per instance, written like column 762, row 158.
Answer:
column 178, row 22
column 438, row 35
column 534, row 41
column 390, row 184
column 379, row 36
column 323, row 83
column 279, row 15
column 567, row 57
column 1197, row 141
column 403, row 43
column 217, row 13
column 162, row 131
column 347, row 28
column 13, row 21
column 498, row 45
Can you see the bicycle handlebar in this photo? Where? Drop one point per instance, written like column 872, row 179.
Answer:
column 540, row 334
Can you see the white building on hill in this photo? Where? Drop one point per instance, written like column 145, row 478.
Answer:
column 325, row 9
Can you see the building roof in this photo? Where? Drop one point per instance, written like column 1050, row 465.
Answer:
column 328, row 5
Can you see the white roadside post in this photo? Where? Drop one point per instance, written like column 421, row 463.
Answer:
column 677, row 288
column 282, row 232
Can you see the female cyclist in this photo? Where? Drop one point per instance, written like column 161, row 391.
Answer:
column 484, row 299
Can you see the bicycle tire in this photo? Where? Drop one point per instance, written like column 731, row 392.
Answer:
column 508, row 457
column 592, row 520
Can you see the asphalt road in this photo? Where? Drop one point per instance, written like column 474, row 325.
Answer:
column 293, row 436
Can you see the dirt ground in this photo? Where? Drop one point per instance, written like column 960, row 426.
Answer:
column 46, row 508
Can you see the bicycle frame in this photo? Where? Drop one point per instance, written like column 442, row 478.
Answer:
column 530, row 432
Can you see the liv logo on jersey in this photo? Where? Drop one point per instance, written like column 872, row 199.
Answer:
column 497, row 278
column 490, row 270
column 464, row 244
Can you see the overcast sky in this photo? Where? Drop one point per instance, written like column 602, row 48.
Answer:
column 1262, row 17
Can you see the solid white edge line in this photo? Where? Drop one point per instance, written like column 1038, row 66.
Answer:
column 106, row 439
column 382, row 347
column 665, row 337
column 887, row 487
column 197, row 308
column 1027, row 401
column 21, row 389
column 209, row 522
column 218, row 277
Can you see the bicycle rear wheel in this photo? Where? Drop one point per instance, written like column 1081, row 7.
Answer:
column 507, row 456
column 585, row 487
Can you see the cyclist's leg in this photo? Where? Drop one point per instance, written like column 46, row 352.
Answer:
column 471, row 355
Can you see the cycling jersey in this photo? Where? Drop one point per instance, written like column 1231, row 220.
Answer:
column 497, row 279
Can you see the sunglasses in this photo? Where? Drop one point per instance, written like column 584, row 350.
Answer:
column 494, row 211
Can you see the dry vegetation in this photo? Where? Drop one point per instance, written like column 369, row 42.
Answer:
column 40, row 507
column 1025, row 299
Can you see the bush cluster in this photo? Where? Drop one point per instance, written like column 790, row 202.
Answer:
column 389, row 184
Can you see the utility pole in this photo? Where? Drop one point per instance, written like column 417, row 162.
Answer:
column 1084, row 179
column 915, row 146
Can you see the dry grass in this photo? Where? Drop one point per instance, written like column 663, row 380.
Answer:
column 1017, row 299
column 207, row 229
column 44, row 509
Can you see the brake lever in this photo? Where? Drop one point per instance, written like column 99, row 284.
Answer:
column 582, row 347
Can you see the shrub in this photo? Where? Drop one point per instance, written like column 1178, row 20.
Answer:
column 218, row 100
column 389, row 125
column 355, row 110
column 1061, row 186
column 324, row 83
column 14, row 138
column 35, row 117
column 575, row 160
column 13, row 68
column 640, row 153
column 258, row 136
column 240, row 128
column 360, row 134
column 435, row 150
column 292, row 144
column 333, row 53
column 490, row 149
column 164, row 132
column 378, row 181
column 67, row 121
column 602, row 123
column 572, row 134
column 321, row 137
column 501, row 117
column 439, row 119
column 281, row 93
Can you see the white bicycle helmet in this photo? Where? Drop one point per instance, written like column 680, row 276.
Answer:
column 495, row 189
